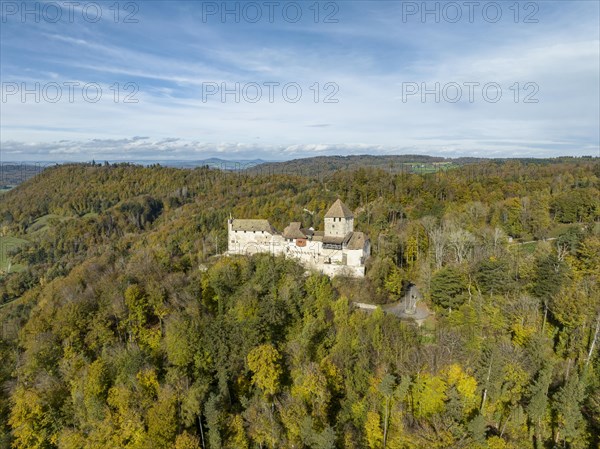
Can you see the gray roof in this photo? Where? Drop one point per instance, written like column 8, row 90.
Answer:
column 357, row 241
column 252, row 225
column 337, row 240
column 318, row 236
column 293, row 231
column 339, row 210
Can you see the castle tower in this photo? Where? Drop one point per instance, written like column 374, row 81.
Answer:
column 339, row 220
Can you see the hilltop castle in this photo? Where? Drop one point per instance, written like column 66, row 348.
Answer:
column 338, row 250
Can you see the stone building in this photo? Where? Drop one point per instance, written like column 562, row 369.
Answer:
column 338, row 250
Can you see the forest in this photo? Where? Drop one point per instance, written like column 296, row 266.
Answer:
column 123, row 326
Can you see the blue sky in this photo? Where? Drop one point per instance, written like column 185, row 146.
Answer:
column 174, row 58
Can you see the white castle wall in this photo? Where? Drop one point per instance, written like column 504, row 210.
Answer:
column 331, row 262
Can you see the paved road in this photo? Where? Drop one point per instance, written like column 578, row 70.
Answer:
column 398, row 308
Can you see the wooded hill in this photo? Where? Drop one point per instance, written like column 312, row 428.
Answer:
column 320, row 166
column 123, row 328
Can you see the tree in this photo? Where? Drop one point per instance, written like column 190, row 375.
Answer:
column 29, row 420
column 537, row 215
column 262, row 426
column 493, row 276
column 537, row 407
column 238, row 439
column 461, row 242
column 569, row 426
column 465, row 385
column 265, row 362
column 550, row 275
column 512, row 217
column 428, row 395
column 139, row 308
column 187, row 441
column 181, row 340
column 313, row 388
column 214, row 417
column 448, row 287
column 438, row 240
column 394, row 282
column 373, row 431
column 162, row 420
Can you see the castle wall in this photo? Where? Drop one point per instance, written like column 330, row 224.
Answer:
column 342, row 270
column 355, row 257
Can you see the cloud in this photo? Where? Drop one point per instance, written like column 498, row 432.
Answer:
column 367, row 58
column 175, row 149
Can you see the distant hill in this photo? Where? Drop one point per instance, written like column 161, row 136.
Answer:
column 324, row 165
column 14, row 173
column 213, row 162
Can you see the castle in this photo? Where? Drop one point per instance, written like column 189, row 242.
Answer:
column 338, row 250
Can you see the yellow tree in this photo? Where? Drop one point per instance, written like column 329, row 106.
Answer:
column 429, row 395
column 265, row 362
column 186, row 441
column 373, row 431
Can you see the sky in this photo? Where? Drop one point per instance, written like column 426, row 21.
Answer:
column 277, row 80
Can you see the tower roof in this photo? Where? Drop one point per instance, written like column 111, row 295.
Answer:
column 339, row 210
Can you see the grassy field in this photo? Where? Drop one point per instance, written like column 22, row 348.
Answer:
column 560, row 228
column 526, row 248
column 45, row 222
column 42, row 223
column 8, row 244
column 422, row 168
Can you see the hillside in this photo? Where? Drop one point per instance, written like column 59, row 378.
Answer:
column 320, row 166
column 123, row 327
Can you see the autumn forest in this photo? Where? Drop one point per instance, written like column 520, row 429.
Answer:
column 123, row 326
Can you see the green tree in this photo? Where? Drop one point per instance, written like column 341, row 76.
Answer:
column 162, row 420
column 550, row 275
column 493, row 276
column 569, row 420
column 537, row 408
column 448, row 287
